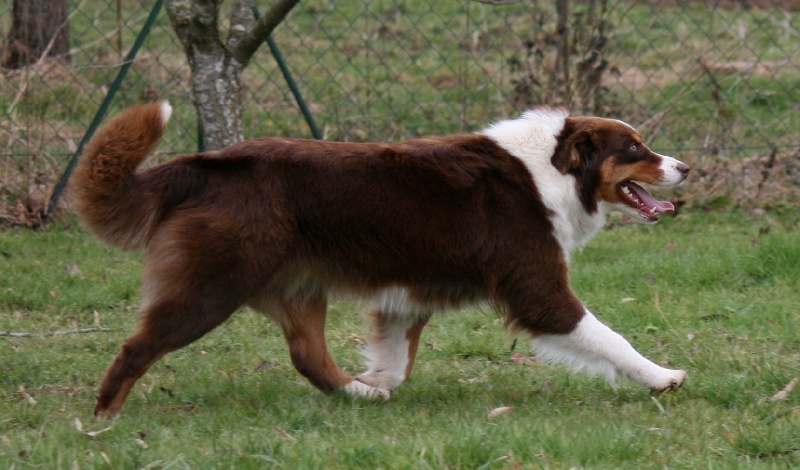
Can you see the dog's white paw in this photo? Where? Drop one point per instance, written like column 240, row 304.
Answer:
column 359, row 389
column 656, row 378
column 671, row 380
column 381, row 380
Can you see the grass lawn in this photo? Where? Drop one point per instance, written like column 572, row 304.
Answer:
column 713, row 293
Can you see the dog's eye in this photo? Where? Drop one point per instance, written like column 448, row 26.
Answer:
column 634, row 147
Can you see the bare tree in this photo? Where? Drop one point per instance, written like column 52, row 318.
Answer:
column 217, row 65
column 38, row 28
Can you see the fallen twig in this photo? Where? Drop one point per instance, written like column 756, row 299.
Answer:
column 25, row 334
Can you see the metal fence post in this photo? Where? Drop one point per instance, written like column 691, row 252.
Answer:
column 287, row 75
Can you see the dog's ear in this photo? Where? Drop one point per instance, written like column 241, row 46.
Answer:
column 572, row 150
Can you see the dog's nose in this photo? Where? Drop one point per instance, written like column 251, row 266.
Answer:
column 683, row 169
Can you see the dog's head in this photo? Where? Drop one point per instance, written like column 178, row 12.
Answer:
column 608, row 159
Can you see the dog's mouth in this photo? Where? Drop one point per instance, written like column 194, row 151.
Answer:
column 645, row 205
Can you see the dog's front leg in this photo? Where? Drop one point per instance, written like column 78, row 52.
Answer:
column 391, row 350
column 595, row 348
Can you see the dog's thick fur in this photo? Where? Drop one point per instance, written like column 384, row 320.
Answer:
column 417, row 227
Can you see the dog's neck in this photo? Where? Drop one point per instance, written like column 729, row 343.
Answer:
column 532, row 139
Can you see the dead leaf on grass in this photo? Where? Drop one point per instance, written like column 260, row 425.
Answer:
column 784, row 394
column 502, row 410
column 522, row 359
column 27, row 396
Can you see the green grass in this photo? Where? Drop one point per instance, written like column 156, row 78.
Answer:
column 715, row 294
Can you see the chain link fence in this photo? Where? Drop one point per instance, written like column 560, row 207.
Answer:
column 716, row 83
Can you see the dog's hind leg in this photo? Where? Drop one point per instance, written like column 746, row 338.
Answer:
column 303, row 324
column 186, row 293
column 168, row 324
column 393, row 347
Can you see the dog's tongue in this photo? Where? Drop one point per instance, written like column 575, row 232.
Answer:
column 646, row 199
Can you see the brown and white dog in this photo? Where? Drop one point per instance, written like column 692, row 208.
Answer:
column 418, row 227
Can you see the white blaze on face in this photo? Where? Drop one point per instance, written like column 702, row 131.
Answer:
column 672, row 175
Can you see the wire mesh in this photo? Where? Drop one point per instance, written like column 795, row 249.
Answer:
column 705, row 80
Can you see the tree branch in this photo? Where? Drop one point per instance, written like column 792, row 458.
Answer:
column 195, row 23
column 261, row 30
column 242, row 18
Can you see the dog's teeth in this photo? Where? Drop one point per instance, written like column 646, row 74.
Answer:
column 626, row 190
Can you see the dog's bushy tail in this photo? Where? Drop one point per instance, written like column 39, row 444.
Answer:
column 104, row 189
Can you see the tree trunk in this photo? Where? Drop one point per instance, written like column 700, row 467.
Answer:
column 39, row 28
column 217, row 95
column 216, row 87
column 216, row 66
